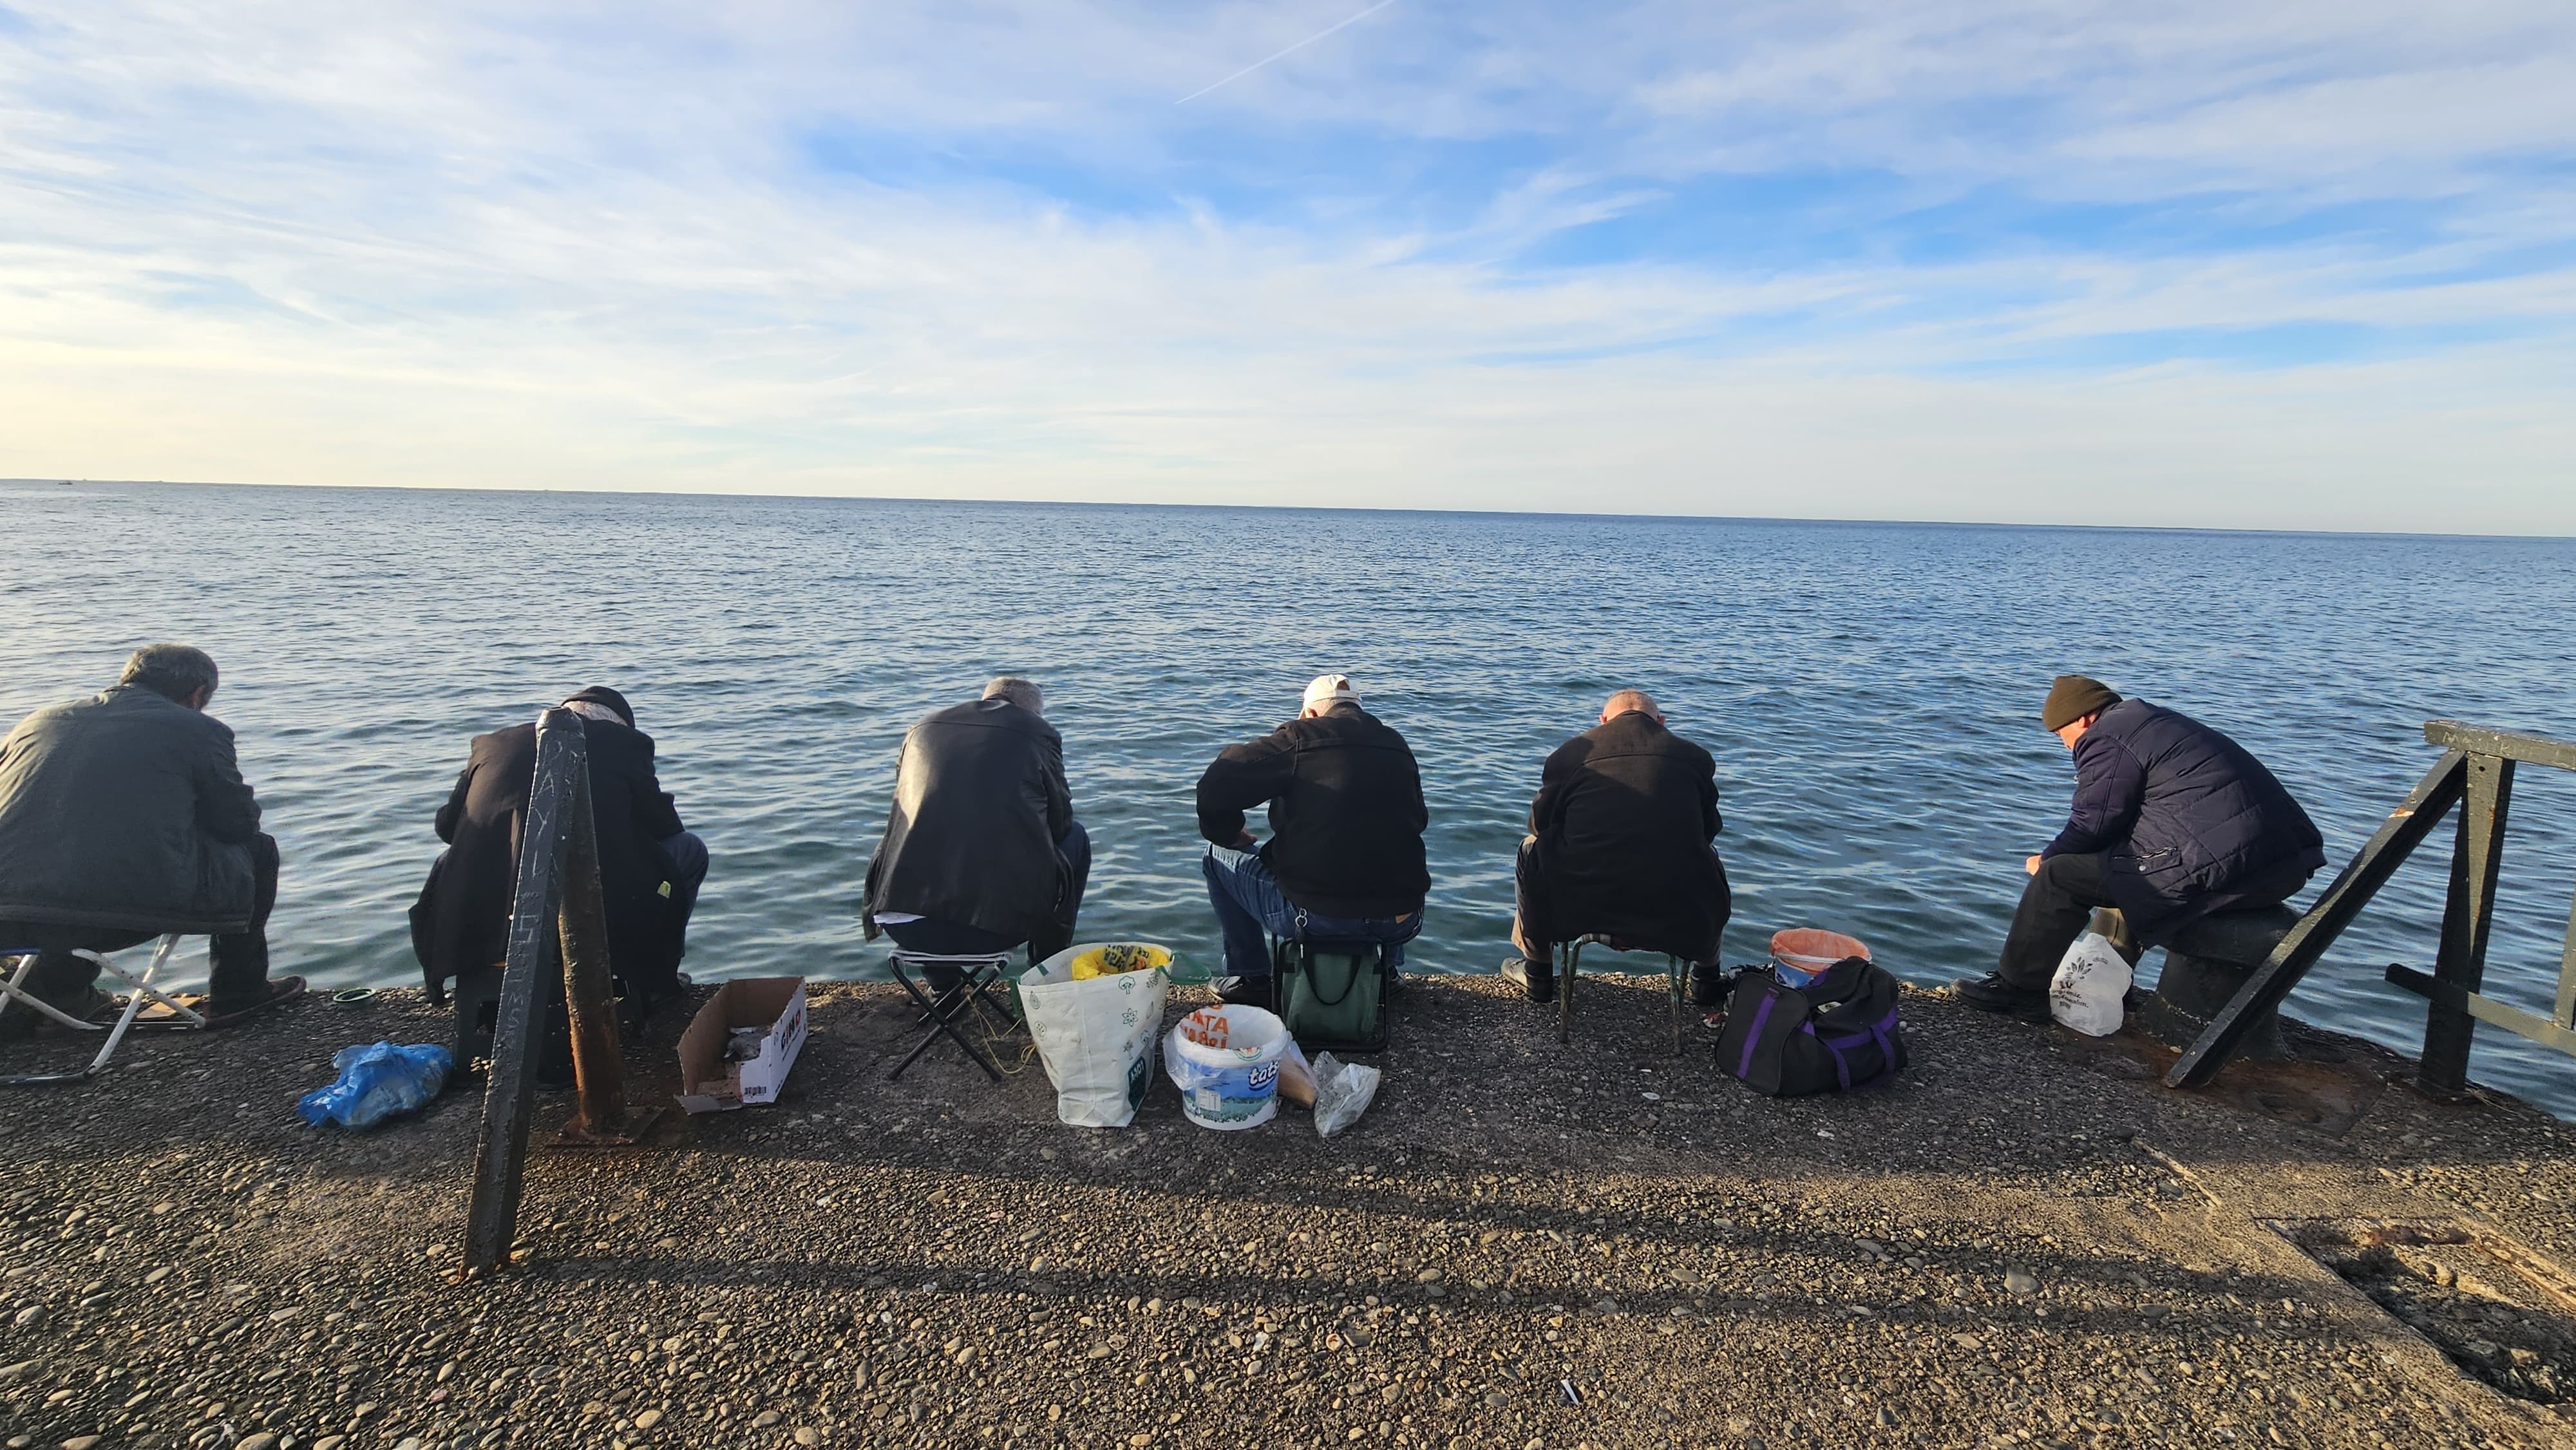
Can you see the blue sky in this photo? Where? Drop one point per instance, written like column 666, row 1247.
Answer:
column 2292, row 265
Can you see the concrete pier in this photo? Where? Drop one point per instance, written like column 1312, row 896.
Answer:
column 2024, row 1242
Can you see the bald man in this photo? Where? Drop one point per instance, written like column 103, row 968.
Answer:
column 1622, row 842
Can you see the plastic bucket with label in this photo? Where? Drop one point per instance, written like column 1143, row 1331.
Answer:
column 1225, row 1061
column 1801, row 954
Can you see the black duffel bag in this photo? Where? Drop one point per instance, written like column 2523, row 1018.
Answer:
column 1837, row 1033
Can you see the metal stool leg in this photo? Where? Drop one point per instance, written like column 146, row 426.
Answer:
column 1565, row 992
column 1677, row 977
column 941, row 1011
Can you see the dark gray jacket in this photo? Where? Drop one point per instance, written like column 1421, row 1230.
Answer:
column 979, row 803
column 128, row 812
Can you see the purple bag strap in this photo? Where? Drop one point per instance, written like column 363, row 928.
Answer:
column 1877, row 1031
column 1753, row 1035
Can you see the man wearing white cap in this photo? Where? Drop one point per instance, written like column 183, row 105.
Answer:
column 1344, row 861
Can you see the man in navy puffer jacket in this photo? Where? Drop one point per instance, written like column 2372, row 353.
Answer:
column 2172, row 821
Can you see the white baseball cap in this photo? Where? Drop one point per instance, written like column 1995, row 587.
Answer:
column 1327, row 689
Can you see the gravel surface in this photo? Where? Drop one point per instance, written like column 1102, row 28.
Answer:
column 1522, row 1245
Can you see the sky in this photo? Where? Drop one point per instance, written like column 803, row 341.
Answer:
column 2294, row 265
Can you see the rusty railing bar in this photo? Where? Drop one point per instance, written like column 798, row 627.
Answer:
column 2485, row 1009
column 2468, row 919
column 2504, row 744
column 2378, row 859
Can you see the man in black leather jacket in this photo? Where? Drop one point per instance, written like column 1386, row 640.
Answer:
column 981, row 850
column 1344, row 860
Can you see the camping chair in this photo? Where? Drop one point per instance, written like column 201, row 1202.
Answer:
column 13, row 992
column 977, row 974
column 1677, row 974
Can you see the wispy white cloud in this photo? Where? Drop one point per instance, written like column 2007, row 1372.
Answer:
column 1953, row 261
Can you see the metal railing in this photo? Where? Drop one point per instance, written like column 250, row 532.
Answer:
column 557, row 914
column 2475, row 774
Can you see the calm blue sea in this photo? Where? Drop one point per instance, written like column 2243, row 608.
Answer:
column 1870, row 690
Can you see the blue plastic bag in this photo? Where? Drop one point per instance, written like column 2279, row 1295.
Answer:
column 376, row 1083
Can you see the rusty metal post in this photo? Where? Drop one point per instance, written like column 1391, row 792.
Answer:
column 2468, row 917
column 598, row 1062
column 501, row 1150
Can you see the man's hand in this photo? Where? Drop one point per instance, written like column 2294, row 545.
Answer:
column 1243, row 840
column 2030, row 867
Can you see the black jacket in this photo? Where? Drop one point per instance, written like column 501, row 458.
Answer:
column 462, row 921
column 125, row 811
column 2184, row 818
column 980, row 801
column 1346, row 813
column 1625, row 816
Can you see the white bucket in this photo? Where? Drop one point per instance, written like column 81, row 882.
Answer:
column 1225, row 1061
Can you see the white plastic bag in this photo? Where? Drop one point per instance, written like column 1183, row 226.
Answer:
column 2088, row 990
column 1096, row 1036
column 1225, row 1061
column 1343, row 1091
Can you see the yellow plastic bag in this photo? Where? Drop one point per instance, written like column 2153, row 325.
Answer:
column 1118, row 957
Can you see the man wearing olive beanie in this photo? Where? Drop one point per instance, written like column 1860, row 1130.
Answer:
column 2172, row 821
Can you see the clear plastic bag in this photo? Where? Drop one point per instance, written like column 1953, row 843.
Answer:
column 1343, row 1091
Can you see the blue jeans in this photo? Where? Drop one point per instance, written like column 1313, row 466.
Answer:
column 1249, row 904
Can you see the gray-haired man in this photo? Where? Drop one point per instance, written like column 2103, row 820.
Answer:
column 981, row 849
column 125, row 816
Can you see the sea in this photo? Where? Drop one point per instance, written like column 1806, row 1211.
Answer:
column 1870, row 691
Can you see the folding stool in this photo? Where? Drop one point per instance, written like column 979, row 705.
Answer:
column 976, row 975
column 13, row 991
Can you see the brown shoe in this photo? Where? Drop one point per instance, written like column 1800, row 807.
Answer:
column 225, row 1011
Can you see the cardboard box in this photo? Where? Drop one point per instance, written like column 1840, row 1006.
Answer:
column 709, row 1083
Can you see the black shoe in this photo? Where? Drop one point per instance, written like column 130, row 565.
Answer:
column 1991, row 993
column 1537, row 980
column 1244, row 991
column 1710, row 986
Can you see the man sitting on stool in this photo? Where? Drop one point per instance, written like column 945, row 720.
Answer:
column 126, row 814
column 2172, row 821
column 981, row 850
column 1344, row 861
column 650, row 866
column 1621, row 844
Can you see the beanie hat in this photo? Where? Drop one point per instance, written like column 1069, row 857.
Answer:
column 602, row 695
column 2072, row 697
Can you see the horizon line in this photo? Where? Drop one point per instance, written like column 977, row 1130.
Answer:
column 1640, row 516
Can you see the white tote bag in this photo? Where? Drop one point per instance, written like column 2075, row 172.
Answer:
column 1096, row 1037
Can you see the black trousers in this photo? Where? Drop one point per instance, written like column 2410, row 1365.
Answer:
column 2062, row 897
column 240, row 959
column 2055, row 907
